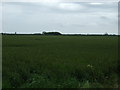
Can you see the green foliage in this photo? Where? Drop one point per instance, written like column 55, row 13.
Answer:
column 38, row 81
column 51, row 33
column 59, row 61
column 86, row 84
column 42, row 81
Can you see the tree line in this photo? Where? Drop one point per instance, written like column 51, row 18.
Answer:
column 58, row 33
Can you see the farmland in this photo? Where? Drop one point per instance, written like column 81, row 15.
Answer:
column 34, row 61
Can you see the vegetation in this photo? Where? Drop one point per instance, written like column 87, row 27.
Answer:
column 35, row 61
column 51, row 33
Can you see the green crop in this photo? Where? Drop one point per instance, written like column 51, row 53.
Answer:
column 34, row 61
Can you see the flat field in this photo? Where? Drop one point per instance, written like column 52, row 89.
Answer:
column 35, row 61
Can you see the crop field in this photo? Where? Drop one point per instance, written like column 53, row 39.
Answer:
column 36, row 61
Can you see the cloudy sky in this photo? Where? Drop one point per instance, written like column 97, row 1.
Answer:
column 65, row 17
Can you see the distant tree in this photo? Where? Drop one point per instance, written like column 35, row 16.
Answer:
column 43, row 32
column 106, row 34
column 51, row 33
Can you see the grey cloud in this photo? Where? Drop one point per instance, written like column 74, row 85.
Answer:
column 38, row 17
column 104, row 17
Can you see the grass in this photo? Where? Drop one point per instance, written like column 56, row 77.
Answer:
column 35, row 61
column 0, row 61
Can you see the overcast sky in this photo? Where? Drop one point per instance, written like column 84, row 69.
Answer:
column 65, row 17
